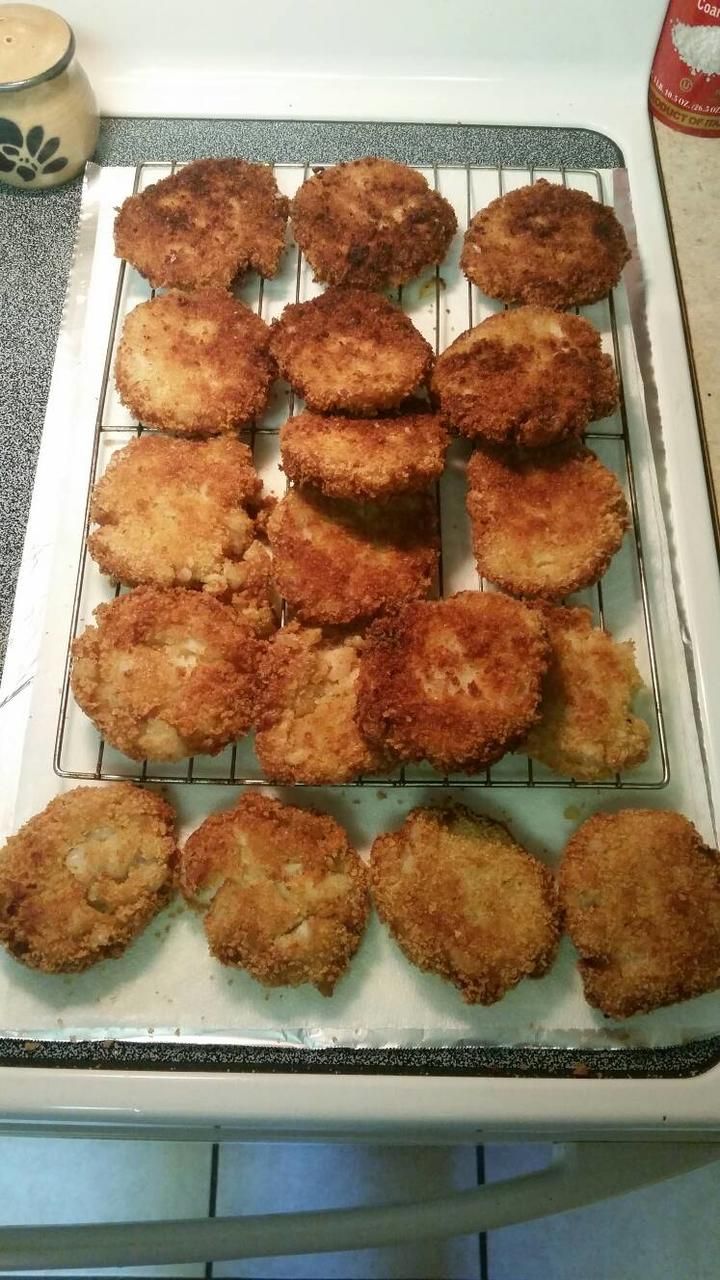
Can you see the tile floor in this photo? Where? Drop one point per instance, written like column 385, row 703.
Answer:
column 668, row 1231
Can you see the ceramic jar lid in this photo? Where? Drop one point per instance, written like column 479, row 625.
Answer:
column 35, row 45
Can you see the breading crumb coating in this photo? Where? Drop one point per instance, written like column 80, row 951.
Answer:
column 455, row 682
column 371, row 222
column 195, row 364
column 364, row 457
column 640, row 894
column 284, row 894
column 179, row 513
column 528, row 376
column 166, row 673
column 587, row 728
column 350, row 351
column 464, row 900
column 204, row 225
column 547, row 244
column 306, row 728
column 338, row 562
column 546, row 523
column 82, row 879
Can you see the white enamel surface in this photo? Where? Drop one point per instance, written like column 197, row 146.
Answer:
column 463, row 60
column 541, row 93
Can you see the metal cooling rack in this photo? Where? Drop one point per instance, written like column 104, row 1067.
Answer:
column 233, row 767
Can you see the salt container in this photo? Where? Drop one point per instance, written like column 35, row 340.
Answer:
column 685, row 78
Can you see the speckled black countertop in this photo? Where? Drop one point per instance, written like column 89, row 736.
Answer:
column 37, row 232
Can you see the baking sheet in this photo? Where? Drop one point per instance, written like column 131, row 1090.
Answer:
column 167, row 985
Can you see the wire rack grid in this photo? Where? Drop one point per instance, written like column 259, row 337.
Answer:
column 81, row 754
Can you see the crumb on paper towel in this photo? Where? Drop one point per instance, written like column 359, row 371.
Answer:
column 698, row 47
column 572, row 812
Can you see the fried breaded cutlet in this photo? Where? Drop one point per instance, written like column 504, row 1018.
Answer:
column 350, row 351
column 464, row 900
column 547, row 244
column 166, row 673
column 587, row 728
column 455, row 682
column 285, row 894
column 82, row 879
column 178, row 513
column 547, row 523
column 204, row 225
column 338, row 562
column 305, row 721
column 640, row 894
column 371, row 223
column 194, row 364
column 529, row 376
column 364, row 457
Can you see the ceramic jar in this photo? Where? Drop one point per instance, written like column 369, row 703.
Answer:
column 48, row 115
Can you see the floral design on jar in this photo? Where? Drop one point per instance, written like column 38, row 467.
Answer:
column 29, row 155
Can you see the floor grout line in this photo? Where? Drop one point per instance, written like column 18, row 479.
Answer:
column 482, row 1235
column 212, row 1197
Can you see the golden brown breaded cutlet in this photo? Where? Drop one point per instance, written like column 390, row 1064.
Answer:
column 464, row 900
column 546, row 523
column 547, row 244
column 177, row 513
column 338, row 562
column 350, row 351
column 82, row 879
column 166, row 673
column 364, row 457
column 305, row 720
column 640, row 894
column 195, row 364
column 455, row 682
column 528, row 376
column 587, row 728
column 204, row 225
column 371, row 223
column 285, row 893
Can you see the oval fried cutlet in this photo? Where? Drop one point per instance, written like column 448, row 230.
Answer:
column 305, row 724
column 455, row 682
column 285, row 893
column 528, row 376
column 464, row 900
column 371, row 223
column 640, row 893
column 338, row 562
column 544, row 524
column 194, row 364
column 82, row 879
column 364, row 457
column 204, row 225
column 166, row 674
column 177, row 513
column 545, row 243
column 350, row 351
column 587, row 728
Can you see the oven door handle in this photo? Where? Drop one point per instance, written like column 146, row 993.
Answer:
column 579, row 1174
